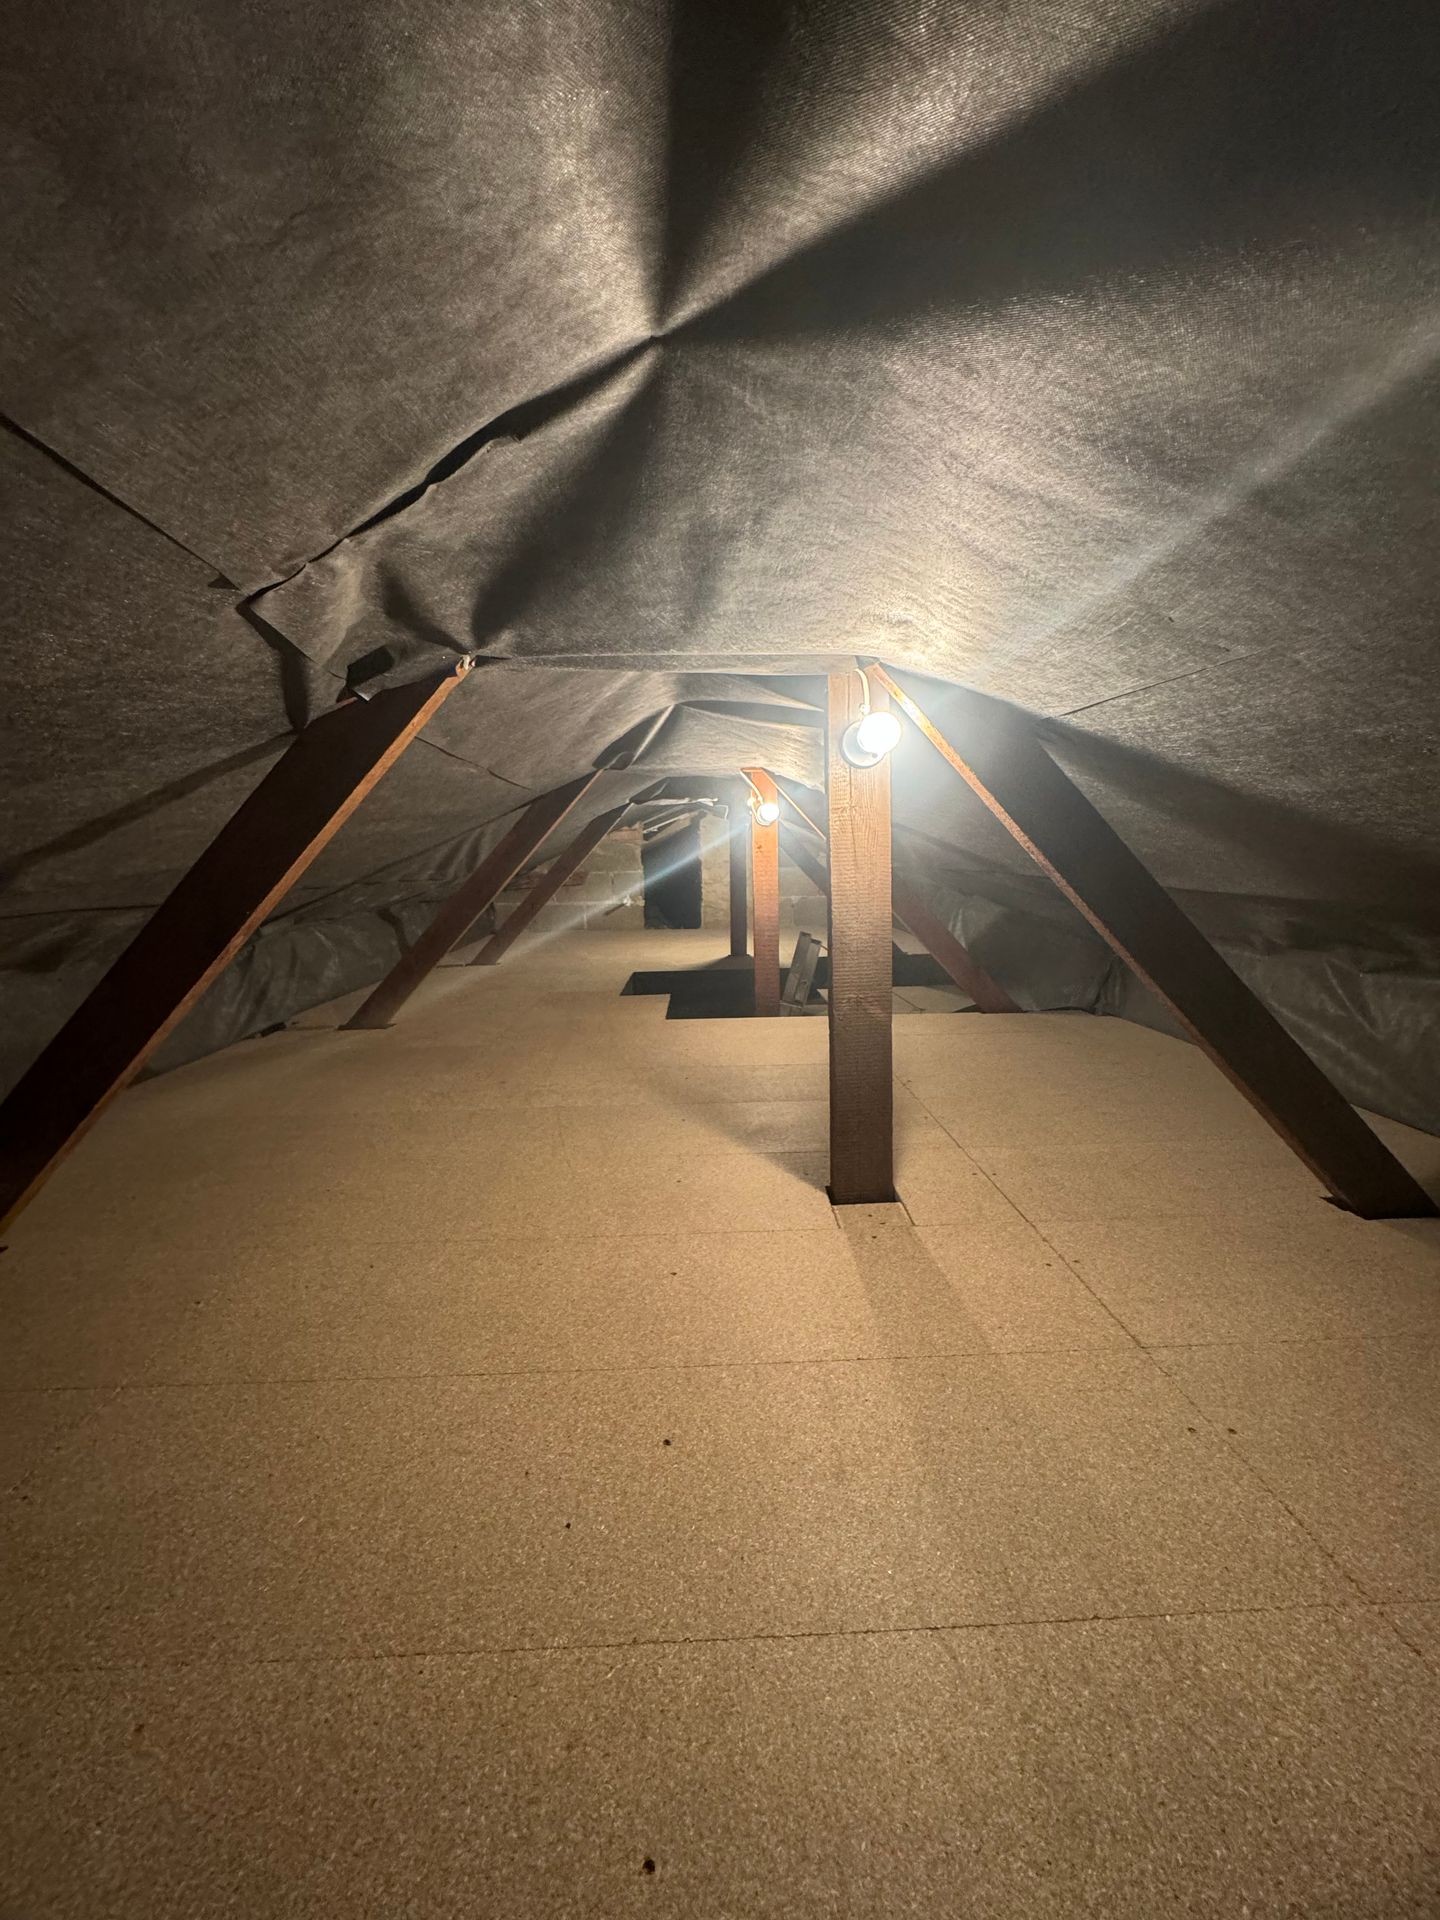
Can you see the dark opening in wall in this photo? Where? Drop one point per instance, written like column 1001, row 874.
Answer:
column 671, row 866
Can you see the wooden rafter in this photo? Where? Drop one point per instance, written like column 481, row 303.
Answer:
column 910, row 910
column 810, row 864
column 188, row 941
column 1048, row 815
column 546, row 887
column 468, row 902
column 942, row 946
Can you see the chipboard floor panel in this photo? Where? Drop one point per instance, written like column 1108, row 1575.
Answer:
column 471, row 1469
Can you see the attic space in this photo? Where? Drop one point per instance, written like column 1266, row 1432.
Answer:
column 720, row 961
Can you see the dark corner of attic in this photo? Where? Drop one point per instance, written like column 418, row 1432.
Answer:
column 719, row 1151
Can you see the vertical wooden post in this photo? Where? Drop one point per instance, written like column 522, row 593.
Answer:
column 739, row 877
column 862, row 1167
column 765, row 888
column 910, row 910
column 243, row 874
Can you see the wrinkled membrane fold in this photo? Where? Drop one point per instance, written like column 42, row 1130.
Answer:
column 1079, row 355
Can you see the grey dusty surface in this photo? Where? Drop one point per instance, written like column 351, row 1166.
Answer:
column 448, row 1469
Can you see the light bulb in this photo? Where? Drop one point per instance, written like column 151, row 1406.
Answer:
column 877, row 733
column 767, row 812
column 866, row 741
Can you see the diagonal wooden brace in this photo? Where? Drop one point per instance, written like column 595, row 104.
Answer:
column 942, row 946
column 545, row 889
column 810, row 864
column 468, row 902
column 928, row 928
column 1043, row 809
column 243, row 874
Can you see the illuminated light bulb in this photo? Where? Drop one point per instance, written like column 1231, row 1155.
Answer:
column 877, row 733
column 866, row 741
column 767, row 812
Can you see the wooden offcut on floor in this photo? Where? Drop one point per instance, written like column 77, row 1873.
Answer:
column 470, row 1469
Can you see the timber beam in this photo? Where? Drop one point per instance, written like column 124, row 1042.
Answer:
column 1033, row 798
column 862, row 1092
column 545, row 888
column 243, row 874
column 468, row 902
column 909, row 908
column 738, row 843
column 942, row 946
column 810, row 864
column 765, row 894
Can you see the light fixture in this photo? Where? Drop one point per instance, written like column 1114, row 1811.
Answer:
column 866, row 741
column 766, row 812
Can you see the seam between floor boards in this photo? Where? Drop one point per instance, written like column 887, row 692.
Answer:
column 1162, row 1372
column 1131, row 1344
column 1261, row 1480
column 568, row 1373
column 524, row 1650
